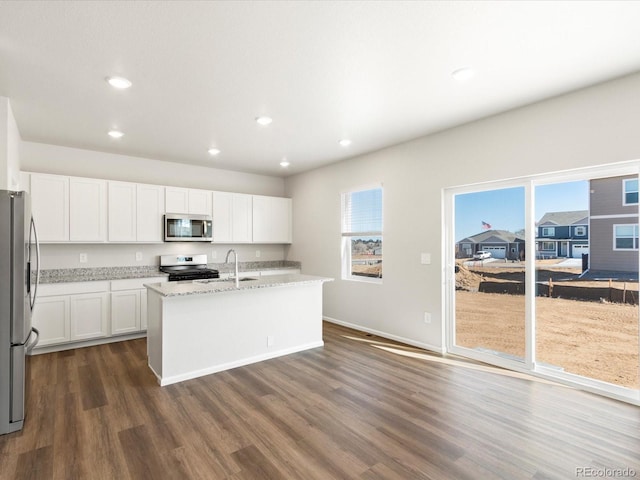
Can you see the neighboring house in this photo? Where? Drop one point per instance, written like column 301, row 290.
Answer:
column 563, row 234
column 500, row 243
column 614, row 224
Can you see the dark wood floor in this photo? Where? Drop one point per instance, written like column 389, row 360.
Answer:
column 348, row 410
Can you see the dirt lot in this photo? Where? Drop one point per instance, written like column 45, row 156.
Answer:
column 597, row 340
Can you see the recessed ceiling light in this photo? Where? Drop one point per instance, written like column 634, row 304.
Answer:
column 345, row 142
column 262, row 120
column 284, row 163
column 463, row 74
column 213, row 151
column 115, row 134
column 119, row 82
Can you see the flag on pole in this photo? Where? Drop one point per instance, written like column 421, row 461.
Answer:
column 485, row 225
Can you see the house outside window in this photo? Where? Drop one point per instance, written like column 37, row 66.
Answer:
column 580, row 231
column 548, row 246
column 630, row 191
column 362, row 234
column 625, row 237
column 548, row 231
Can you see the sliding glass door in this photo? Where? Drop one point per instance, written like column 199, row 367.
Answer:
column 543, row 277
column 587, row 291
column 489, row 293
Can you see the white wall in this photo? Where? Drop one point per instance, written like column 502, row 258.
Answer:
column 593, row 126
column 9, row 148
column 43, row 158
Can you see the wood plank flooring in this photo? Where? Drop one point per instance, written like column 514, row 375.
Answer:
column 350, row 410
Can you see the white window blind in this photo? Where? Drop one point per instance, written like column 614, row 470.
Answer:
column 362, row 212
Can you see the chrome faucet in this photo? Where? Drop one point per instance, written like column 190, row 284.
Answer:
column 235, row 255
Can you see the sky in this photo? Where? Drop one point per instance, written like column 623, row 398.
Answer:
column 503, row 209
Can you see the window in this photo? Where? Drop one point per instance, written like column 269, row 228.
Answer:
column 362, row 234
column 548, row 246
column 580, row 231
column 630, row 189
column 625, row 237
column 548, row 231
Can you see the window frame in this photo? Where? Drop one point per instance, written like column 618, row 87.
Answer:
column 552, row 249
column 625, row 192
column 551, row 229
column 347, row 237
column 635, row 237
column 578, row 229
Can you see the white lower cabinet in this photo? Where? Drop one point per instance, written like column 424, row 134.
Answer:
column 76, row 312
column 51, row 318
column 129, row 305
column 125, row 312
column 88, row 316
column 70, row 312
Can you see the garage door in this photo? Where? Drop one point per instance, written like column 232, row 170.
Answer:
column 496, row 252
column 578, row 250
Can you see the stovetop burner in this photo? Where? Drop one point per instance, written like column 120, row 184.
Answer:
column 186, row 267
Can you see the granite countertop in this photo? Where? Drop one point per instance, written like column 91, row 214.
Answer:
column 69, row 275
column 199, row 287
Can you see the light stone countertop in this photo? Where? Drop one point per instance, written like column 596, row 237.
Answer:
column 199, row 287
column 96, row 274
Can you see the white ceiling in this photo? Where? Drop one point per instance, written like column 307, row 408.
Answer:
column 378, row 73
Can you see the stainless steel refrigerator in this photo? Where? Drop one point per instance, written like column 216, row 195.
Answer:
column 19, row 255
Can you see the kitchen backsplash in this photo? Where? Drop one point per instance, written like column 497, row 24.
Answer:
column 65, row 256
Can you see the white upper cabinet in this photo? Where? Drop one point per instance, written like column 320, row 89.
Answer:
column 50, row 206
column 242, row 214
column 199, row 202
column 69, row 208
column 222, row 229
column 135, row 212
column 122, row 212
column 271, row 219
column 187, row 200
column 232, row 218
column 87, row 210
column 150, row 209
column 176, row 200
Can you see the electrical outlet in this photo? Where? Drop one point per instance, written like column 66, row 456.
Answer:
column 138, row 256
column 427, row 317
column 83, row 258
column 257, row 253
column 270, row 340
column 214, row 255
column 425, row 258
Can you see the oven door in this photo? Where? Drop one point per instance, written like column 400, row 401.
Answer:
column 187, row 228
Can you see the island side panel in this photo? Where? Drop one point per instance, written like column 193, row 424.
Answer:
column 154, row 332
column 204, row 334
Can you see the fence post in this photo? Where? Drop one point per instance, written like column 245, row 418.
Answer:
column 550, row 287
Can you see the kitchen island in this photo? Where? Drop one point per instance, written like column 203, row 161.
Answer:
column 200, row 327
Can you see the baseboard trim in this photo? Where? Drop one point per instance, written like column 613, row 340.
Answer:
column 386, row 335
column 61, row 347
column 181, row 377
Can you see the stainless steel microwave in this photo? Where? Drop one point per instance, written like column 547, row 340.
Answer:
column 179, row 227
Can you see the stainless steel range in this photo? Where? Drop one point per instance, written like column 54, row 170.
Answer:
column 186, row 267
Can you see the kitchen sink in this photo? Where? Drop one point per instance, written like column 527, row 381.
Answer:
column 216, row 280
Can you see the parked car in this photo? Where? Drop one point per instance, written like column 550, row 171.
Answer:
column 481, row 255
